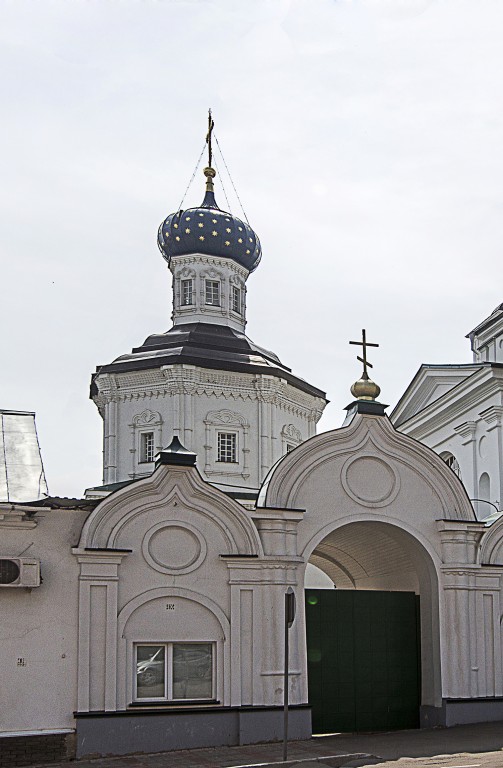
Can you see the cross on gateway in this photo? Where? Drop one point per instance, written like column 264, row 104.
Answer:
column 364, row 343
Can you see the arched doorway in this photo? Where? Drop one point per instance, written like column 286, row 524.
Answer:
column 373, row 641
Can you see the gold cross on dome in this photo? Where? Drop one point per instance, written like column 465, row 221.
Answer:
column 211, row 125
column 364, row 343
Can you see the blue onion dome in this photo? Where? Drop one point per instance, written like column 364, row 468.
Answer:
column 210, row 231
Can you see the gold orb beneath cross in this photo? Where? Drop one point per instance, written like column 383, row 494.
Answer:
column 365, row 389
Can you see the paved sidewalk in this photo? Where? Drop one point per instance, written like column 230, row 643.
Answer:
column 480, row 744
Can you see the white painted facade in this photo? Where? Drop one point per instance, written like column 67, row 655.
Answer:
column 267, row 414
column 457, row 410
column 172, row 560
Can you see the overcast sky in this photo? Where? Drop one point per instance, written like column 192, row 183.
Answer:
column 365, row 141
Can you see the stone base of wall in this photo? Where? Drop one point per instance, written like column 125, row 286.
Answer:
column 27, row 749
column 122, row 733
column 462, row 712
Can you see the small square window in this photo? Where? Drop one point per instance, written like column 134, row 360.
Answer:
column 236, row 299
column 227, row 447
column 187, row 293
column 212, row 292
column 146, row 447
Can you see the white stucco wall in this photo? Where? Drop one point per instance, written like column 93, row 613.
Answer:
column 38, row 627
column 264, row 411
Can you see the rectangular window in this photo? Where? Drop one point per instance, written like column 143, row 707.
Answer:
column 146, row 447
column 187, row 293
column 227, row 447
column 212, row 291
column 174, row 671
column 236, row 300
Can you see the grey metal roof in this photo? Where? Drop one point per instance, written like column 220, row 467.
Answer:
column 22, row 476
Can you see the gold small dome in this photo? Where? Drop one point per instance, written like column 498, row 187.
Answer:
column 365, row 389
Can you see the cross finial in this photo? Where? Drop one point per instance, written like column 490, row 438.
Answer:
column 211, row 125
column 364, row 343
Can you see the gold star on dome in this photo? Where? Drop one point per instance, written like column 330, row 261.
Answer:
column 175, row 226
column 187, row 231
column 240, row 239
column 227, row 230
column 214, row 221
column 247, row 251
column 227, row 242
column 177, row 238
column 201, row 214
column 214, row 233
column 200, row 224
column 240, row 229
column 201, row 237
column 250, row 239
column 187, row 218
column 227, row 219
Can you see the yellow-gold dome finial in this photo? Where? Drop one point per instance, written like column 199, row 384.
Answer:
column 365, row 388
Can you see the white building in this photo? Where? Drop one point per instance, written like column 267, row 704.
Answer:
column 457, row 410
column 204, row 381
column 149, row 616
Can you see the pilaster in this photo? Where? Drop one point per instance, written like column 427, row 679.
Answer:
column 493, row 416
column 467, row 431
column 97, row 637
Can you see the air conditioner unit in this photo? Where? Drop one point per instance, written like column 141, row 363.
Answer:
column 19, row 572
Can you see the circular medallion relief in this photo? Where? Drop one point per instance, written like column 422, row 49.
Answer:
column 174, row 547
column 370, row 481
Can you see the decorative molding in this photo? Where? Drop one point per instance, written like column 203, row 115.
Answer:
column 290, row 432
column 467, row 431
column 210, row 261
column 492, row 416
column 174, row 539
column 147, row 418
column 226, row 417
column 369, row 480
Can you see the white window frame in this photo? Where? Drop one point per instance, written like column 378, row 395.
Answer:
column 236, row 299
column 187, row 287
column 212, row 290
column 168, row 670
column 223, row 449
column 146, row 450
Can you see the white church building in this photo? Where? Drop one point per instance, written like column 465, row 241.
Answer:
column 149, row 615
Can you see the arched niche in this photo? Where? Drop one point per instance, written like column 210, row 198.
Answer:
column 175, row 615
column 374, row 555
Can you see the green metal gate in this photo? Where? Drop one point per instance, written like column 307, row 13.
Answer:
column 363, row 660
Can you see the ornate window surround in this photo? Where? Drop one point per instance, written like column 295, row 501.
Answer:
column 146, row 421
column 186, row 273
column 236, row 282
column 291, row 437
column 214, row 275
column 228, row 421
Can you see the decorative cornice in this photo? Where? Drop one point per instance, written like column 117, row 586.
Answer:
column 467, row 431
column 191, row 380
column 453, row 404
column 493, row 415
column 211, row 261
